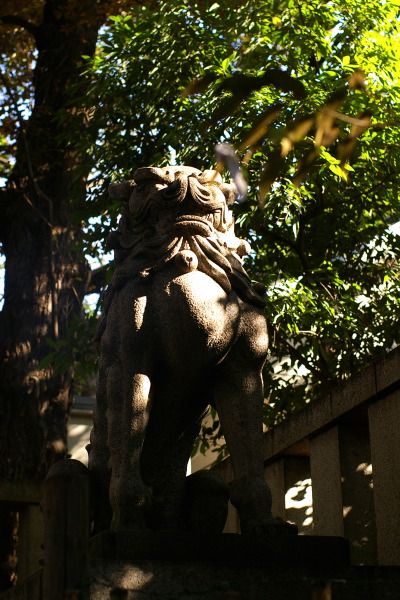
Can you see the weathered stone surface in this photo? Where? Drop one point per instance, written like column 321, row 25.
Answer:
column 209, row 566
column 387, row 370
column 183, row 328
column 125, row 580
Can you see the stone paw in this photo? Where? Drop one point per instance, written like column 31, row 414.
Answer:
column 274, row 527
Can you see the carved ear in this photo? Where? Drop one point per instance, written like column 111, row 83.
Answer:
column 150, row 174
column 121, row 191
column 230, row 192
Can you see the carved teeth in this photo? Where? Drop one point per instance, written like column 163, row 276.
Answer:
column 191, row 218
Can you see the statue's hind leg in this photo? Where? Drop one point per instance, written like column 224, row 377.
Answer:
column 173, row 426
column 127, row 421
column 239, row 399
column 239, row 407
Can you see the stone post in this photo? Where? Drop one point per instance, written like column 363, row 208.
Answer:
column 342, row 488
column 66, row 521
column 288, row 478
column 384, row 423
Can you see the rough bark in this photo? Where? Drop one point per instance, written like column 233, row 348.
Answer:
column 45, row 273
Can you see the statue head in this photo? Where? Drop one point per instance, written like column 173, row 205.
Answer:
column 176, row 199
column 179, row 217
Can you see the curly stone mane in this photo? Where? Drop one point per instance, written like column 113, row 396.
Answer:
column 178, row 214
column 183, row 328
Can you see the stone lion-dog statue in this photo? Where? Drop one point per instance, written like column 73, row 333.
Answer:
column 182, row 328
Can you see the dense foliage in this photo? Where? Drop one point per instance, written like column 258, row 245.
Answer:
column 308, row 94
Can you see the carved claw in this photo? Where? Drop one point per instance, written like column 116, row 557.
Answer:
column 276, row 527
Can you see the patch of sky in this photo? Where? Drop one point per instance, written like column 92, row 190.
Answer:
column 172, row 154
column 91, row 301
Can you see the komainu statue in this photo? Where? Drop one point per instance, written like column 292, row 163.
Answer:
column 183, row 328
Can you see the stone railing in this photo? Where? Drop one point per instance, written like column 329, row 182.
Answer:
column 334, row 467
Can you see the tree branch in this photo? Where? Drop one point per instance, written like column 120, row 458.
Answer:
column 32, row 177
column 293, row 245
column 41, row 194
column 20, row 22
column 295, row 353
column 97, row 280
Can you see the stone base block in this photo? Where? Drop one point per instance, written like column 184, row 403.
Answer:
column 312, row 551
column 203, row 580
column 186, row 566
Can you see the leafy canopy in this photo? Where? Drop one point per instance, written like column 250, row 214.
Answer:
column 308, row 94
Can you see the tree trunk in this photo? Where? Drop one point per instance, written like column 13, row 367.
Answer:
column 45, row 272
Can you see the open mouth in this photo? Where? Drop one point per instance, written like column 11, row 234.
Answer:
column 196, row 224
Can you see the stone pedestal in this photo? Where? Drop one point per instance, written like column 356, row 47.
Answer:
column 189, row 566
column 181, row 546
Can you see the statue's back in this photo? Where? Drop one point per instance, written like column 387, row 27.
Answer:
column 183, row 327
